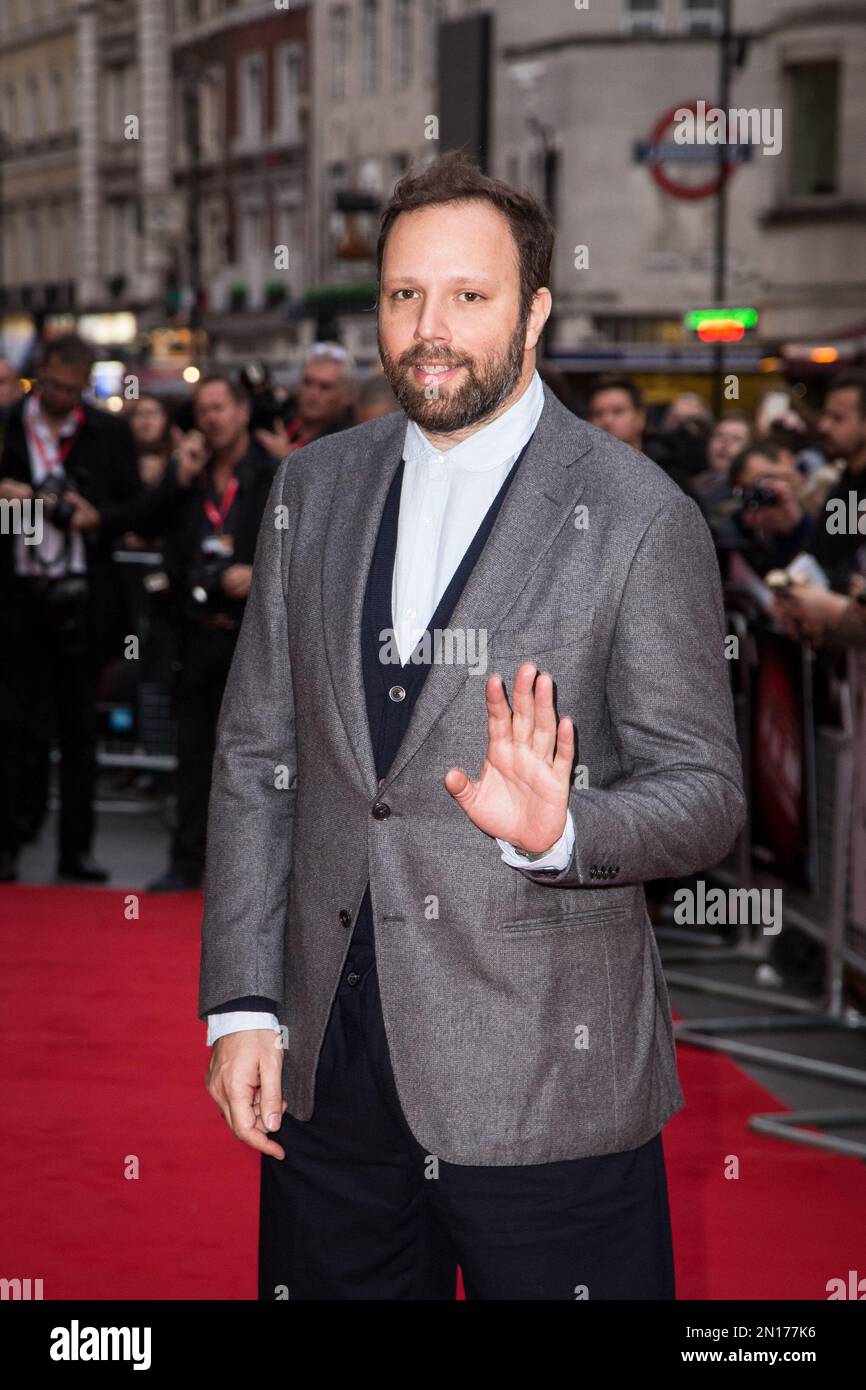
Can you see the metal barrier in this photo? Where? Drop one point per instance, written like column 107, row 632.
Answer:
column 820, row 913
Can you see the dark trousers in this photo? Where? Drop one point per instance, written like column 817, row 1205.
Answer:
column 48, row 679
column 206, row 655
column 358, row 1210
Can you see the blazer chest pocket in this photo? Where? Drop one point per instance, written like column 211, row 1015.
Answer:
column 586, row 918
column 540, row 637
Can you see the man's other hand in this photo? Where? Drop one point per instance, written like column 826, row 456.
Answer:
column 245, row 1080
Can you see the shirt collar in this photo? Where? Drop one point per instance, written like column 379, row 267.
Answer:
column 489, row 447
column 34, row 416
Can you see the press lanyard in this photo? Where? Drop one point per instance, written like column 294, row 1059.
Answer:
column 63, row 448
column 217, row 515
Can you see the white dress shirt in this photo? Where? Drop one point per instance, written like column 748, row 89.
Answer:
column 444, row 497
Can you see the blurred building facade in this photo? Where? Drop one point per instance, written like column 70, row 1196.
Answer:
column 212, row 171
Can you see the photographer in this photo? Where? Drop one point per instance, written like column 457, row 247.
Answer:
column 216, row 486
column 764, row 518
column 57, row 599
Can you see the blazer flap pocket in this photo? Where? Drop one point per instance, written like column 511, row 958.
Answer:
column 541, row 637
column 585, row 918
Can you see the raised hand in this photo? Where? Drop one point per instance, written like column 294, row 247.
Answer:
column 521, row 794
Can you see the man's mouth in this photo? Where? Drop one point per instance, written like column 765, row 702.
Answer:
column 440, row 370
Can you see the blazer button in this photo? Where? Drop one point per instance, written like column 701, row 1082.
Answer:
column 397, row 693
column 345, row 917
column 381, row 810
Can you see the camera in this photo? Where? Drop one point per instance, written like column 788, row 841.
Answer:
column 53, row 489
column 205, row 583
column 754, row 498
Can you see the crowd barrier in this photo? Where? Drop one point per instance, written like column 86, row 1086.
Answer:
column 811, row 869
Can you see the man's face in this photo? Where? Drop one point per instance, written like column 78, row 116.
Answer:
column 613, row 411
column 725, row 442
column 841, row 426
column 221, row 419
column 10, row 384
column 323, row 392
column 450, row 296
column 60, row 386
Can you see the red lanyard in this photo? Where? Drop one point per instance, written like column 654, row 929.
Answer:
column 63, row 448
column 217, row 515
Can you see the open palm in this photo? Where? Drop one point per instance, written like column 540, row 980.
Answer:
column 521, row 794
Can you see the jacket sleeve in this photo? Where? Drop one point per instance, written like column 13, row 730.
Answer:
column 252, row 801
column 679, row 805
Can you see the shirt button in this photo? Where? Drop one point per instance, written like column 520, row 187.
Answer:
column 396, row 693
column 352, row 979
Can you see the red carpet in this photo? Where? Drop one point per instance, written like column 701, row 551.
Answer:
column 103, row 1063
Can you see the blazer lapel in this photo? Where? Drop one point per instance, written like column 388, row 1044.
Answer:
column 539, row 501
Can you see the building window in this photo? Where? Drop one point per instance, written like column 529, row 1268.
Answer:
column 55, row 103
column 252, row 97
column 813, row 99
column 369, row 46
column 338, row 43
column 436, row 11
column 403, row 36
column 252, row 232
column 642, row 16
column 210, row 107
column 10, row 111
column 290, row 83
column 30, row 129
column 702, row 16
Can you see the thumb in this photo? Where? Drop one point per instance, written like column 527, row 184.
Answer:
column 458, row 784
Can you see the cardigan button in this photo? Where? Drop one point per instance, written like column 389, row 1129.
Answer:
column 381, row 810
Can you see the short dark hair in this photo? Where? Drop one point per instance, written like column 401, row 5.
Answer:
column 853, row 379
column 69, row 349
column 617, row 383
column 456, row 178
column 239, row 395
column 738, row 463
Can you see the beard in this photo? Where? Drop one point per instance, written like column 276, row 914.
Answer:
column 485, row 387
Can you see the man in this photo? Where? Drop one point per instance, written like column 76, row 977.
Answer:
column 499, row 1105
column 324, row 404
column 58, row 613
column 616, row 406
column 842, row 429
column 763, row 517
column 11, row 390
column 208, row 544
column 375, row 398
column 729, row 437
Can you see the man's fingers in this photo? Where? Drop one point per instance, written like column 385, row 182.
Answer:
column 544, row 733
column 523, row 700
column 564, row 753
column 242, row 1122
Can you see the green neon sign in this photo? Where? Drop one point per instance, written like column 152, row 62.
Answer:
column 695, row 317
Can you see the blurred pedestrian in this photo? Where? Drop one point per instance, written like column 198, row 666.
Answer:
column 58, row 613
column 209, row 541
column 324, row 404
column 374, row 398
column 616, row 406
column 842, row 430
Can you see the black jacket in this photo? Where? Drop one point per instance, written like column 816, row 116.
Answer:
column 101, row 465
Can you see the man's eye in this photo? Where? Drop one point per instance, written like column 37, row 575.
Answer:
column 474, row 293
column 399, row 292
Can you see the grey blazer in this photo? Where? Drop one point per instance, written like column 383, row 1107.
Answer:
column 526, row 1013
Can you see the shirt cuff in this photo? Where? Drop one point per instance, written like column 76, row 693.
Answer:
column 237, row 1022
column 557, row 857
